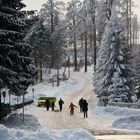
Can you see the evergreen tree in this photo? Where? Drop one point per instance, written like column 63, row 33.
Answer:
column 16, row 69
column 113, row 78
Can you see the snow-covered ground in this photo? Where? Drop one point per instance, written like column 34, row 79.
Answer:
column 15, row 120
column 44, row 134
column 132, row 123
column 30, row 129
column 40, row 124
column 124, row 118
column 65, row 88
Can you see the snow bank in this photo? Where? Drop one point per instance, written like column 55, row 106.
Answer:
column 16, row 121
column 132, row 123
column 43, row 134
column 122, row 117
column 15, row 129
column 116, row 111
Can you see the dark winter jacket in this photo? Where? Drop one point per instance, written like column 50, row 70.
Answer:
column 47, row 103
column 53, row 104
column 85, row 106
column 81, row 102
column 61, row 102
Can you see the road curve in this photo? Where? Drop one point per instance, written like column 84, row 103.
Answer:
column 62, row 120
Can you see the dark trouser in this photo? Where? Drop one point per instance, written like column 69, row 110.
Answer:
column 85, row 114
column 60, row 107
column 52, row 108
column 47, row 108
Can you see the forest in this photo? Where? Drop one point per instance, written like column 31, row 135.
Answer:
column 106, row 30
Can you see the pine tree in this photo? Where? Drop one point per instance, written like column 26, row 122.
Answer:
column 113, row 78
column 122, row 86
column 16, row 69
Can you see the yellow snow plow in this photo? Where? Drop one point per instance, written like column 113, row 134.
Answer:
column 41, row 101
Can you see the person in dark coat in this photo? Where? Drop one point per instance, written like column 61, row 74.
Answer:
column 81, row 104
column 47, row 103
column 53, row 105
column 85, row 108
column 60, row 102
column 71, row 107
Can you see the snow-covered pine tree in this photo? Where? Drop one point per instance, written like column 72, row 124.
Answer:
column 122, row 85
column 113, row 78
column 16, row 67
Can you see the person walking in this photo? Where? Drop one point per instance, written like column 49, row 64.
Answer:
column 81, row 104
column 53, row 105
column 61, row 102
column 47, row 103
column 71, row 107
column 85, row 108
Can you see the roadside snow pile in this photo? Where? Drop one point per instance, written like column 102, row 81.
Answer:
column 117, row 111
column 16, row 121
column 132, row 123
column 124, row 118
column 43, row 134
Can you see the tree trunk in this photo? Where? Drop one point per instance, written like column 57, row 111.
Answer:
column 95, row 48
column 64, row 70
column 75, row 55
column 58, row 80
column 52, row 58
column 91, row 39
column 69, row 67
column 128, row 22
column 75, row 47
column 41, row 79
column 0, row 98
column 36, row 76
column 52, row 30
column 85, row 51
column 82, row 42
column 94, row 36
column 130, row 25
column 23, row 106
column 109, row 4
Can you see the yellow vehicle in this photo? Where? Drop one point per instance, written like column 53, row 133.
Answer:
column 41, row 101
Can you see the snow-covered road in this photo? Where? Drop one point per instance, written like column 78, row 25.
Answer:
column 62, row 120
column 118, row 137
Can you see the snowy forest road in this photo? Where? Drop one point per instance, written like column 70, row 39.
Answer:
column 63, row 120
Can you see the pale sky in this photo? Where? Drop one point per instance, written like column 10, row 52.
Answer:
column 33, row 4
column 137, row 7
column 36, row 5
